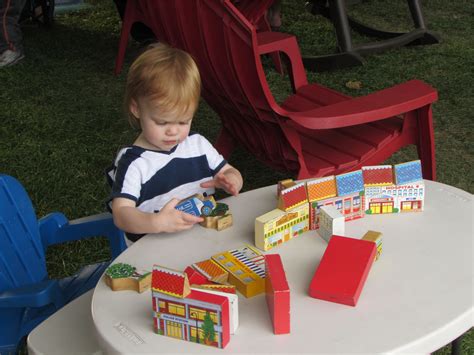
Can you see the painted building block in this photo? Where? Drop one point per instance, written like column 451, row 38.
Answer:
column 246, row 267
column 322, row 188
column 277, row 227
column 212, row 271
column 352, row 207
column 331, row 222
column 395, row 198
column 378, row 175
column 194, row 277
column 123, row 276
column 233, row 306
column 293, row 196
column 408, row 172
column 277, row 293
column 350, row 183
column 376, row 237
column 284, row 184
column 170, row 282
column 343, row 270
column 202, row 317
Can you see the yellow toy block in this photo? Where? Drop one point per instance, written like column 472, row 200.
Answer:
column 246, row 268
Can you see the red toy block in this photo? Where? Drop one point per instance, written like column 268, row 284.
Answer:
column 343, row 269
column 194, row 277
column 277, row 293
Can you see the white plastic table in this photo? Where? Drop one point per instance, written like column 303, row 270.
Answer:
column 417, row 298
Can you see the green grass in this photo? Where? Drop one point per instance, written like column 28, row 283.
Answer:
column 62, row 120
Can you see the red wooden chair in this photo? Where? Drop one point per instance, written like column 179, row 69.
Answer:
column 133, row 13
column 316, row 131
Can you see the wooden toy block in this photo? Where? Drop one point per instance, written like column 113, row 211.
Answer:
column 343, row 270
column 322, row 188
column 284, row 184
column 202, row 317
column 218, row 222
column 409, row 172
column 349, row 183
column 395, row 198
column 277, row 294
column 197, row 205
column 277, row 227
column 212, row 271
column 352, row 206
column 194, row 277
column 170, row 282
column 293, row 196
column 376, row 237
column 219, row 219
column 233, row 306
column 378, row 175
column 246, row 267
column 331, row 222
column 123, row 276
column 218, row 288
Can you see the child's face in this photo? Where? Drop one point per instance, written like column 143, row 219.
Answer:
column 161, row 130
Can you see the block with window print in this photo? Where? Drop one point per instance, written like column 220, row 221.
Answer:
column 326, row 192
column 246, row 268
column 179, row 312
column 277, row 227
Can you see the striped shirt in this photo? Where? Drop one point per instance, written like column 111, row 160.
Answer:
column 152, row 178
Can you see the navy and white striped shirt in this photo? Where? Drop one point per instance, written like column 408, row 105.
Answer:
column 152, row 178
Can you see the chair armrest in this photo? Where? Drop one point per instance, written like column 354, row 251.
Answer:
column 282, row 42
column 96, row 225
column 49, row 225
column 38, row 295
column 380, row 105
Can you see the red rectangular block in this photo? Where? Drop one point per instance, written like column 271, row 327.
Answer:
column 343, row 269
column 194, row 277
column 277, row 294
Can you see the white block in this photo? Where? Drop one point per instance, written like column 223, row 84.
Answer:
column 331, row 222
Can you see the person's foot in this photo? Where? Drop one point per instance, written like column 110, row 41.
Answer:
column 10, row 57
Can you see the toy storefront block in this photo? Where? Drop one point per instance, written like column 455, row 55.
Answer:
column 277, row 227
column 233, row 305
column 376, row 237
column 343, row 270
column 277, row 293
column 202, row 317
column 122, row 276
column 246, row 267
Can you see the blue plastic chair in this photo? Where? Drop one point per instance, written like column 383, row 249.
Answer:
column 27, row 295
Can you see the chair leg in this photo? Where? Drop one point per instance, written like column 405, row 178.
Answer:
column 425, row 144
column 225, row 143
column 128, row 19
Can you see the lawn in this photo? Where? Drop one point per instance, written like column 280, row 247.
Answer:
column 62, row 117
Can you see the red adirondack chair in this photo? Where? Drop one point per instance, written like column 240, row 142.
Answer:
column 316, row 131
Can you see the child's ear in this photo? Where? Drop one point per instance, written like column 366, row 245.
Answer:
column 134, row 108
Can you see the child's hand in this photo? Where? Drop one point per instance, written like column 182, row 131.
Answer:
column 229, row 180
column 171, row 220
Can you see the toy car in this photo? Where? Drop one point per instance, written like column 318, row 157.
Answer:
column 197, row 205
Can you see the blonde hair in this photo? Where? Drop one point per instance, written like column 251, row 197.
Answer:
column 166, row 75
